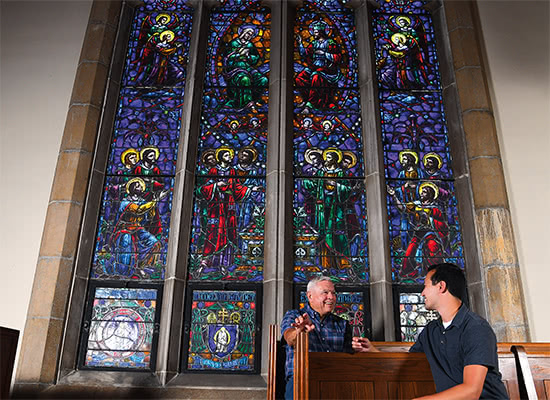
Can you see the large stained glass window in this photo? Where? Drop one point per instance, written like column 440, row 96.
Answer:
column 227, row 232
column 330, row 227
column 133, row 228
column 422, row 207
column 223, row 331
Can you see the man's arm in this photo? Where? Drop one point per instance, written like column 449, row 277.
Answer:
column 471, row 388
column 302, row 323
column 362, row 345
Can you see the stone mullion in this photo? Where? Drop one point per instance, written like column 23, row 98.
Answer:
column 499, row 288
column 171, row 331
column 46, row 319
column 381, row 295
column 277, row 291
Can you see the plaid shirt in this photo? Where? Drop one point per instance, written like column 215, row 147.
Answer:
column 331, row 334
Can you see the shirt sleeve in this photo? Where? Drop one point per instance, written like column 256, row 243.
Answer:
column 479, row 345
column 288, row 319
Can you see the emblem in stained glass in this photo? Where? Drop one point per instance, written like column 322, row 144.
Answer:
column 227, row 237
column 330, row 227
column 350, row 306
column 133, row 228
column 405, row 52
column 121, row 328
column 413, row 316
column 223, row 331
column 158, row 47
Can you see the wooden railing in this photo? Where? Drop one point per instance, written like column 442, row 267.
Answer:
column 397, row 374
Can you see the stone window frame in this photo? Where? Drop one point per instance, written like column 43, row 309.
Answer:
column 56, row 307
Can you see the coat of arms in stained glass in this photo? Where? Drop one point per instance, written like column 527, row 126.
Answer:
column 223, row 331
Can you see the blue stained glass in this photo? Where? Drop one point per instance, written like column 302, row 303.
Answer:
column 121, row 329
column 403, row 6
column 424, row 227
column 328, row 5
column 168, row 5
column 223, row 331
column 133, row 228
column 314, row 135
column 146, row 120
column 158, row 49
column 245, row 134
column 406, row 56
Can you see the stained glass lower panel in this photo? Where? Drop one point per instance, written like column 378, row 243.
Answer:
column 413, row 316
column 350, row 306
column 223, row 331
column 121, row 328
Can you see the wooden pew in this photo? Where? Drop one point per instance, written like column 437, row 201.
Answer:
column 396, row 374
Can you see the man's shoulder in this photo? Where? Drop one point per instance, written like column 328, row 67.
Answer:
column 476, row 323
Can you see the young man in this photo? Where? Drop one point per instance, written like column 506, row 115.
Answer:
column 460, row 346
column 327, row 332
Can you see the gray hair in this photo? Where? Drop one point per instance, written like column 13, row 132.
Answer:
column 312, row 283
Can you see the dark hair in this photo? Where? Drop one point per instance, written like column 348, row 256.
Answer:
column 453, row 277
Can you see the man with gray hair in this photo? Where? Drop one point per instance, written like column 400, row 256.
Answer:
column 327, row 331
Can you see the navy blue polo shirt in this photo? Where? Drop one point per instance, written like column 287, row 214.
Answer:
column 469, row 340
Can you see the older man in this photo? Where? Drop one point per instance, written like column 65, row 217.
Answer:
column 327, row 332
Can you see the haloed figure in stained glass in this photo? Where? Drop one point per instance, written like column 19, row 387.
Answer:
column 427, row 230
column 135, row 247
column 245, row 82
column 157, row 45
column 323, row 57
column 221, row 195
column 331, row 196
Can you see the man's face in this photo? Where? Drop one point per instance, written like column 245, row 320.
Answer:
column 430, row 292
column 245, row 157
column 136, row 188
column 425, row 195
column 131, row 159
column 407, row 160
column 431, row 164
column 150, row 156
column 247, row 34
column 322, row 298
column 226, row 156
column 210, row 159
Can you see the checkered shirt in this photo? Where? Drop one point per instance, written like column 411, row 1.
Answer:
column 331, row 334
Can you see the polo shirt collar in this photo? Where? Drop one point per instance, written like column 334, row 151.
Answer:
column 458, row 319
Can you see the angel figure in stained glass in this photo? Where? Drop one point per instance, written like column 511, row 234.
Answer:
column 157, row 45
column 404, row 59
column 245, row 82
column 323, row 57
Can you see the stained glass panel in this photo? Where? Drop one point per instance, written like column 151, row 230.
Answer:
column 121, row 328
column 350, row 306
column 227, row 236
column 157, row 51
column 413, row 316
column 422, row 209
column 223, row 331
column 330, row 227
column 405, row 51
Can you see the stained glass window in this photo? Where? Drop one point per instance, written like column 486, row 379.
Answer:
column 422, row 209
column 223, row 331
column 134, row 222
column 413, row 316
column 121, row 327
column 352, row 306
column 227, row 237
column 330, row 227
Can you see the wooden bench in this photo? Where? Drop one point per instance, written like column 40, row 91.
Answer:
column 395, row 373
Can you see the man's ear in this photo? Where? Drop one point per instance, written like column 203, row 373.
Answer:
column 442, row 286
